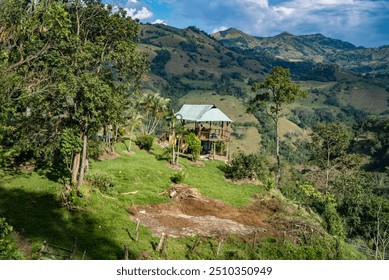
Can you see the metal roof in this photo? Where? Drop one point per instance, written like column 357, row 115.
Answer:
column 202, row 113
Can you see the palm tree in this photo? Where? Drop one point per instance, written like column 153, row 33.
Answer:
column 153, row 108
column 133, row 120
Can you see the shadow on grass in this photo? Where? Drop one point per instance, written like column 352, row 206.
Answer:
column 38, row 216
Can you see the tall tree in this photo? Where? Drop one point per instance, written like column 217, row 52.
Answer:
column 77, row 72
column 274, row 93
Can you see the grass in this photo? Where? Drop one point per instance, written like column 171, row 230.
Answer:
column 32, row 205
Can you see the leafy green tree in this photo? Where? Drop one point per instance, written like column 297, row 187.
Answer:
column 74, row 66
column 274, row 93
column 354, row 198
column 330, row 142
column 247, row 166
column 28, row 44
column 325, row 205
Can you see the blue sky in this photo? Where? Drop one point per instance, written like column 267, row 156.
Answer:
column 361, row 22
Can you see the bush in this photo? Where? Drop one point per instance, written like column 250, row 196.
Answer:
column 144, row 141
column 194, row 145
column 8, row 248
column 178, row 177
column 247, row 166
column 100, row 180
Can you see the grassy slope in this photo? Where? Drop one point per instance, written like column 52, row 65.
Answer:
column 101, row 222
column 31, row 204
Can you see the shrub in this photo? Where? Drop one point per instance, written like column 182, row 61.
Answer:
column 178, row 177
column 101, row 180
column 247, row 166
column 144, row 141
column 8, row 248
column 194, row 145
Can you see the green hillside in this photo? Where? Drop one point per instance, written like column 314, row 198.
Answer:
column 104, row 221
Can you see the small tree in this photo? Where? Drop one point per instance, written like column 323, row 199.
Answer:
column 276, row 91
column 145, row 141
column 133, row 120
column 194, row 145
column 330, row 142
column 247, row 166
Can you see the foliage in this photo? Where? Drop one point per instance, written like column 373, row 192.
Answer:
column 178, row 177
column 311, row 247
column 324, row 204
column 194, row 145
column 276, row 91
column 354, row 197
column 373, row 141
column 70, row 144
column 145, row 141
column 70, row 67
column 330, row 142
column 153, row 108
column 101, row 180
column 159, row 62
column 8, row 248
column 247, row 166
column 95, row 148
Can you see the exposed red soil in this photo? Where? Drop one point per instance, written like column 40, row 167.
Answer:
column 193, row 214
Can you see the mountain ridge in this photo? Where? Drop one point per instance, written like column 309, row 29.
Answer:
column 312, row 47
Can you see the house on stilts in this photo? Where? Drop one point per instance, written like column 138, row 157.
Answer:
column 210, row 125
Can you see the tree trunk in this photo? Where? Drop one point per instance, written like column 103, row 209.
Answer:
column 75, row 168
column 328, row 169
column 84, row 160
column 178, row 149
column 129, row 144
column 173, row 134
column 278, row 159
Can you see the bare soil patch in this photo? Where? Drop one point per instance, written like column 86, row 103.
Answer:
column 175, row 166
column 194, row 214
column 107, row 155
column 127, row 152
column 23, row 245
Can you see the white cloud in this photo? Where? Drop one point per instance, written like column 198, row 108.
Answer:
column 160, row 21
column 356, row 21
column 218, row 29
column 142, row 14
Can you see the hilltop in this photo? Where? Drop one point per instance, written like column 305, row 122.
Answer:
column 228, row 62
column 314, row 47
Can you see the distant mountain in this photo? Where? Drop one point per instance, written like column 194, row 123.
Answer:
column 190, row 59
column 315, row 48
column 342, row 78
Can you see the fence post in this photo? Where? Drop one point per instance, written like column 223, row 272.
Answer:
column 160, row 244
column 126, row 252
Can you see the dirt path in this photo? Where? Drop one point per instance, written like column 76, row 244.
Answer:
column 193, row 214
